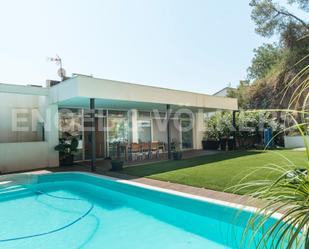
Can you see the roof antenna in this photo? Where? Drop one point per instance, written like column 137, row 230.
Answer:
column 61, row 72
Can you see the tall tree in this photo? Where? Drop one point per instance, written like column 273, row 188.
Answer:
column 265, row 57
column 274, row 67
column 241, row 93
column 271, row 18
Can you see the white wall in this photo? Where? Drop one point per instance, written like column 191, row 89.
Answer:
column 294, row 142
column 23, row 156
column 52, row 134
column 24, row 150
column 17, row 111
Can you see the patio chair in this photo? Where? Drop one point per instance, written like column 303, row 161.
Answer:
column 154, row 149
column 161, row 147
column 136, row 151
column 146, row 150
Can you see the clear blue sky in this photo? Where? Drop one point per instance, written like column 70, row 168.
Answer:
column 195, row 45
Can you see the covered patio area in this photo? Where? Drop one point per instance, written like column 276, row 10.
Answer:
column 130, row 122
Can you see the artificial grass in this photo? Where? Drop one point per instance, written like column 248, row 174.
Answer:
column 220, row 171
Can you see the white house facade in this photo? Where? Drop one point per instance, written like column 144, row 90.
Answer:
column 99, row 113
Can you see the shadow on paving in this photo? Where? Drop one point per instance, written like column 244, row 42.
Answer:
column 166, row 166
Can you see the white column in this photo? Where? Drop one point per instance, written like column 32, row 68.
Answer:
column 199, row 129
column 134, row 130
column 52, row 134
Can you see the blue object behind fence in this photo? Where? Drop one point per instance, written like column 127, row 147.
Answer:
column 268, row 134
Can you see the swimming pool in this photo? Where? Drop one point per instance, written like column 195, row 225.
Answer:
column 81, row 210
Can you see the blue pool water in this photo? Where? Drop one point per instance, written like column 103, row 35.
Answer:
column 76, row 210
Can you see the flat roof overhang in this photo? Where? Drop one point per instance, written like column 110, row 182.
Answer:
column 76, row 92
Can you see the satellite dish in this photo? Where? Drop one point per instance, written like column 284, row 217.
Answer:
column 61, row 72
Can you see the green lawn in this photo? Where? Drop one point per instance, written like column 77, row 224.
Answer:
column 219, row 171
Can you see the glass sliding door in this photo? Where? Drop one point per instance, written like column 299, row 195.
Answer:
column 144, row 131
column 118, row 127
column 144, row 127
column 100, row 133
column 70, row 124
column 118, row 132
column 186, row 133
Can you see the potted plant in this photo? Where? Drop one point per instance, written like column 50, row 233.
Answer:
column 212, row 133
column 231, row 143
column 66, row 147
column 176, row 152
column 223, row 143
column 225, row 130
column 211, row 139
column 117, row 163
column 210, row 144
